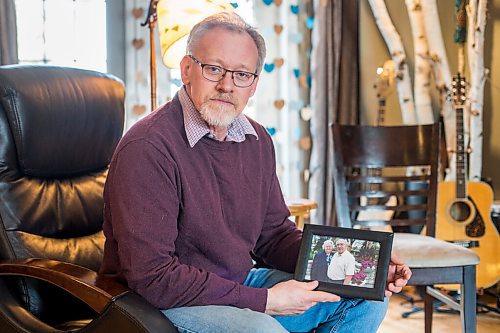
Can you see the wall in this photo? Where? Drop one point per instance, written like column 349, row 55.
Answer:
column 373, row 53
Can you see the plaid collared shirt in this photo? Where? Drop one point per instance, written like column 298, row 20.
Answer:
column 196, row 127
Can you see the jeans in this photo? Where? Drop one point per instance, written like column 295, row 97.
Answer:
column 347, row 315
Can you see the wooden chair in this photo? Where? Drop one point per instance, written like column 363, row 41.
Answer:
column 388, row 176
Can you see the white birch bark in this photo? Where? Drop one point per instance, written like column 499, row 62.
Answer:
column 476, row 14
column 442, row 76
column 398, row 55
column 421, row 86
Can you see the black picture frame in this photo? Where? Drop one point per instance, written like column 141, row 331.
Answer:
column 370, row 249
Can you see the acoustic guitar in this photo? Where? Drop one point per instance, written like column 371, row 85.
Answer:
column 463, row 207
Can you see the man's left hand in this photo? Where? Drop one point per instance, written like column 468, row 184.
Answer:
column 398, row 276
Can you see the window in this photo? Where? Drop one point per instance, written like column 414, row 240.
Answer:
column 62, row 32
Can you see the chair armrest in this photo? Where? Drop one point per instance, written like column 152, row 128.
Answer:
column 85, row 284
column 118, row 307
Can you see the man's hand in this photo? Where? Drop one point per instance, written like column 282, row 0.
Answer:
column 293, row 297
column 398, row 276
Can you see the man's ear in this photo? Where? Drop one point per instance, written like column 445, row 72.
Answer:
column 185, row 69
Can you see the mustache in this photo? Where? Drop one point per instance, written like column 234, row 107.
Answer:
column 225, row 97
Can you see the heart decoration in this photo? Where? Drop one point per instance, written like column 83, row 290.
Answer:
column 139, row 109
column 139, row 76
column 177, row 82
column 294, row 9
column 310, row 22
column 296, row 72
column 303, row 81
column 278, row 2
column 278, row 28
column 138, row 43
column 271, row 130
column 137, row 12
column 234, row 4
column 305, row 143
column 279, row 62
column 279, row 104
column 269, row 67
column 306, row 113
column 297, row 133
column 267, row 2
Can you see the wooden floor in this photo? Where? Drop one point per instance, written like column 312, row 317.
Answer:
column 442, row 322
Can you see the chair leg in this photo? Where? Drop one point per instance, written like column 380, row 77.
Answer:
column 428, row 311
column 468, row 302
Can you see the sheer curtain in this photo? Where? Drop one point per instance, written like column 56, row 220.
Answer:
column 8, row 33
column 334, row 94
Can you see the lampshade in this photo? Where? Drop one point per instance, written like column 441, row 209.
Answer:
column 176, row 18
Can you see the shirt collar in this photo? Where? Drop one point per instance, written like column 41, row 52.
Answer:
column 196, row 128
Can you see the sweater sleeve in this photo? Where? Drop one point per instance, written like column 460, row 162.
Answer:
column 142, row 199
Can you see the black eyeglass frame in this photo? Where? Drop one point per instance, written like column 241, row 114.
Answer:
column 224, row 72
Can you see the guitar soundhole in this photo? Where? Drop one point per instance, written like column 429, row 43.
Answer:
column 460, row 211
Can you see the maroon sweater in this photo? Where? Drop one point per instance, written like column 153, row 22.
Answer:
column 181, row 222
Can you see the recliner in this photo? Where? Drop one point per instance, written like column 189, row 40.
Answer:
column 58, row 130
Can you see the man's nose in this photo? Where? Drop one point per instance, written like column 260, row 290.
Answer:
column 226, row 84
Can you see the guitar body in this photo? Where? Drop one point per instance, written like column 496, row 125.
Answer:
column 467, row 222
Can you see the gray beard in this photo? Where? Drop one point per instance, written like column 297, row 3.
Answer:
column 218, row 116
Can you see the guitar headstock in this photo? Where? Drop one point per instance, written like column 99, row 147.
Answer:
column 458, row 89
column 385, row 79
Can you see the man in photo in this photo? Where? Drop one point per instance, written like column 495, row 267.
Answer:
column 321, row 261
column 341, row 268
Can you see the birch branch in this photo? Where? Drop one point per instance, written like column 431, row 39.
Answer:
column 421, row 86
column 442, row 74
column 478, row 78
column 398, row 55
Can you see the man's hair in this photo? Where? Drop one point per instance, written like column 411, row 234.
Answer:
column 328, row 241
column 230, row 22
column 342, row 240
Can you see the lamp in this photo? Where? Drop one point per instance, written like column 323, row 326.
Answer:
column 175, row 20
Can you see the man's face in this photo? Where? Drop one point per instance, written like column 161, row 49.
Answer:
column 328, row 248
column 341, row 247
column 219, row 103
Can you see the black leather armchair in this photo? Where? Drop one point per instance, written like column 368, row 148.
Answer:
column 58, row 129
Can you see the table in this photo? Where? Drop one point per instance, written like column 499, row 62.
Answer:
column 300, row 209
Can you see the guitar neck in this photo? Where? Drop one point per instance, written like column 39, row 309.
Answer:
column 381, row 111
column 461, row 156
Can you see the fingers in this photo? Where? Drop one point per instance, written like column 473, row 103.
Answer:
column 406, row 272
column 391, row 287
column 309, row 285
column 322, row 296
column 395, row 259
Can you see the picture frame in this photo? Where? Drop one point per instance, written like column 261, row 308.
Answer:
column 371, row 251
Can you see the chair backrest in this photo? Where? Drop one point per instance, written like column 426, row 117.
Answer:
column 58, row 130
column 386, row 175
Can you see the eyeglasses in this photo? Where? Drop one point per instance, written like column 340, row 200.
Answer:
column 215, row 73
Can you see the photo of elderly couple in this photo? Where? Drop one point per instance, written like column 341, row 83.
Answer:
column 343, row 261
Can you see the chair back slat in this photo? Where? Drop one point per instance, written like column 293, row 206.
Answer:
column 386, row 175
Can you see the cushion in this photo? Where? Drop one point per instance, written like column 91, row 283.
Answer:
column 419, row 251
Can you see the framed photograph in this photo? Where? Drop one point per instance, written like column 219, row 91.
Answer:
column 351, row 263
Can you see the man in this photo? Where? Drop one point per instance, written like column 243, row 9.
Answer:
column 342, row 267
column 192, row 194
column 321, row 261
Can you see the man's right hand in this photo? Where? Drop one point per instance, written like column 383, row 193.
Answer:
column 293, row 297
